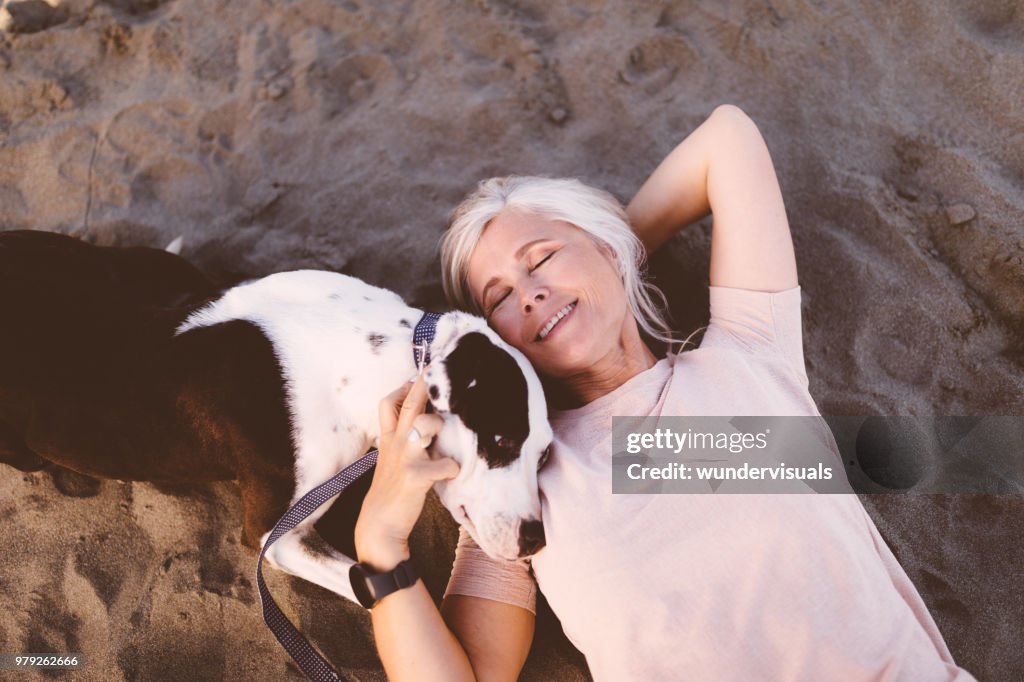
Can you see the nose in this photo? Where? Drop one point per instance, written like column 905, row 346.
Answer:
column 533, row 299
column 531, row 538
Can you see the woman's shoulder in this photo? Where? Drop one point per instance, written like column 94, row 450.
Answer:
column 756, row 322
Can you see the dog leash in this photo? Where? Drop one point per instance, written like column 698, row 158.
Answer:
column 309, row 660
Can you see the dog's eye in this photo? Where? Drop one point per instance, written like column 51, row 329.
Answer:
column 544, row 458
column 502, row 442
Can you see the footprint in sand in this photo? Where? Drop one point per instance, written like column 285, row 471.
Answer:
column 998, row 22
column 135, row 7
column 115, row 564
column 349, row 82
column 656, row 62
column 31, row 16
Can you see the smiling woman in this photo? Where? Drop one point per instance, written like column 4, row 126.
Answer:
column 575, row 259
column 658, row 587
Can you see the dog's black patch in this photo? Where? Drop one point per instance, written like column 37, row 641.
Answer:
column 376, row 341
column 315, row 545
column 405, row 323
column 488, row 392
column 435, row 392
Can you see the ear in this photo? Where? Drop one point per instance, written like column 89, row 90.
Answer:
column 490, row 395
column 464, row 365
column 456, row 358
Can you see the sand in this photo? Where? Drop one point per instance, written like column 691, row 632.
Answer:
column 338, row 135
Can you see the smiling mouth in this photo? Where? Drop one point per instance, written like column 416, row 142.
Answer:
column 555, row 319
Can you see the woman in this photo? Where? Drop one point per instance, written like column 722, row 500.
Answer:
column 648, row 587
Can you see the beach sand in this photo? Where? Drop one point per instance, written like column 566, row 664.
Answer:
column 338, row 135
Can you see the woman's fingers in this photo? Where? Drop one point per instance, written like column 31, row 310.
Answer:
column 389, row 408
column 423, row 429
column 413, row 404
column 442, row 469
column 404, row 472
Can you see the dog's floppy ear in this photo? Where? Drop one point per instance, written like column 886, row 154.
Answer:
column 451, row 377
column 489, row 393
column 464, row 366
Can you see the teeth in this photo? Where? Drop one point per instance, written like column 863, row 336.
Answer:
column 554, row 320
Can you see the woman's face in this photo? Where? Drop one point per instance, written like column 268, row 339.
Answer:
column 550, row 291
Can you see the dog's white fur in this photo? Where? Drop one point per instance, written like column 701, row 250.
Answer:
column 321, row 325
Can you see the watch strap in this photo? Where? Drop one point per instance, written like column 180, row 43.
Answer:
column 382, row 584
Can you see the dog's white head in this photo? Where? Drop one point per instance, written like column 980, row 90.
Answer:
column 496, row 428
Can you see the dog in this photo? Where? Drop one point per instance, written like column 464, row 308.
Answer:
column 274, row 382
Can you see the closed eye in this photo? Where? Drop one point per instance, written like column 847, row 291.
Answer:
column 542, row 260
column 494, row 306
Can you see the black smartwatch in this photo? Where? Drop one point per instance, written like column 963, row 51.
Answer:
column 370, row 587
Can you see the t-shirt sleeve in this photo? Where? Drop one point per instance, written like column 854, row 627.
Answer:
column 757, row 322
column 474, row 574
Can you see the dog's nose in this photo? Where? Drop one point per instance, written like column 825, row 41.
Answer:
column 531, row 537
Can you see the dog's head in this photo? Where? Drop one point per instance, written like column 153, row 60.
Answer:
column 496, row 428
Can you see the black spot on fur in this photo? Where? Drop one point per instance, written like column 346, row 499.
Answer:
column 335, row 296
column 376, row 341
column 489, row 394
column 344, row 381
column 366, row 298
column 435, row 392
column 315, row 545
column 405, row 323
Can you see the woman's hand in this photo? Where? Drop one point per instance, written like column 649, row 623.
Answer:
column 404, row 474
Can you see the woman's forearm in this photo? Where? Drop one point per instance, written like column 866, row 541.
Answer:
column 413, row 641
column 676, row 193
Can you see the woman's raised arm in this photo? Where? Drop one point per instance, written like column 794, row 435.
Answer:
column 723, row 167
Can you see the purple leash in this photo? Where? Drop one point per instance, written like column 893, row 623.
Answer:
column 309, row 660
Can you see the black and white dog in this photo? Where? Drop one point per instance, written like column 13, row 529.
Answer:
column 274, row 382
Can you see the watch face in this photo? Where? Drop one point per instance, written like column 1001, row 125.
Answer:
column 360, row 585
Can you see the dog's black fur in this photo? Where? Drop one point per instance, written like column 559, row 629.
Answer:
column 93, row 379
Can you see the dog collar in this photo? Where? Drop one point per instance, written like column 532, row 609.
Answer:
column 421, row 338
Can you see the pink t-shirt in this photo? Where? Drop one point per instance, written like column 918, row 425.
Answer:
column 705, row 586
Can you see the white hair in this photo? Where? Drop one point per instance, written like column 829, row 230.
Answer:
column 594, row 211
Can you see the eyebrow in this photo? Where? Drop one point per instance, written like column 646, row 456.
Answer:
column 518, row 254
